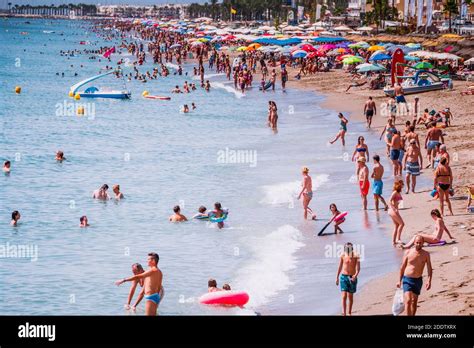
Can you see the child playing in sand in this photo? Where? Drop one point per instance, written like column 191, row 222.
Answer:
column 335, row 213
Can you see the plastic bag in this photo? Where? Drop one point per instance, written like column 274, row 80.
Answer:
column 398, row 306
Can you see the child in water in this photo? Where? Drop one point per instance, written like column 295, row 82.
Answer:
column 201, row 213
column 218, row 213
column 83, row 221
column 335, row 213
column 212, row 286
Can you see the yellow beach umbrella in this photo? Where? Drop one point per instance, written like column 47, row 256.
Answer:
column 203, row 39
column 254, row 46
column 451, row 36
column 242, row 48
column 376, row 48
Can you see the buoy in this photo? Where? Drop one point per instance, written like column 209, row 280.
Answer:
column 77, row 97
column 80, row 110
column 145, row 93
column 71, row 94
column 17, row 89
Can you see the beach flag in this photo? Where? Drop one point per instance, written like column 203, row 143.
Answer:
column 233, row 11
column 109, row 52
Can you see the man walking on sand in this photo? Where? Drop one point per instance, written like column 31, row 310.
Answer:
column 411, row 274
column 377, row 186
column 369, row 110
column 349, row 269
column 152, row 283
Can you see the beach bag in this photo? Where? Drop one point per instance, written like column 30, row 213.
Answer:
column 398, row 306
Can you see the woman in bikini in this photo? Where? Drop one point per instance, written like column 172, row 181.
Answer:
column 394, row 213
column 342, row 130
column 307, row 193
column 389, row 130
column 440, row 228
column 361, row 150
column 443, row 180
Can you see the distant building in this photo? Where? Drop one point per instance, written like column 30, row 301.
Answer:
column 170, row 11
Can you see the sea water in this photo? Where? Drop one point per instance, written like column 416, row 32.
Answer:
column 222, row 151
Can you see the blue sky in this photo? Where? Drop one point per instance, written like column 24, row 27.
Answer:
column 3, row 3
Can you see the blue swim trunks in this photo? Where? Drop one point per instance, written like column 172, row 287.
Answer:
column 400, row 99
column 413, row 168
column 377, row 187
column 394, row 154
column 347, row 284
column 432, row 144
column 412, row 284
column 400, row 158
column 155, row 298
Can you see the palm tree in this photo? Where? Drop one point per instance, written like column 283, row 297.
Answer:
column 451, row 8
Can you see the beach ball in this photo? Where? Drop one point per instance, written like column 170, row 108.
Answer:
column 145, row 93
column 77, row 97
column 17, row 89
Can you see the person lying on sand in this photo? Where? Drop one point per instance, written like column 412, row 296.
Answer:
column 440, row 228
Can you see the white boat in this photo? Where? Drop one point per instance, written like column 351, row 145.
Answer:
column 422, row 81
column 94, row 92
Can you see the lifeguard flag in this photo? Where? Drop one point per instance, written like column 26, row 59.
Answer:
column 233, row 11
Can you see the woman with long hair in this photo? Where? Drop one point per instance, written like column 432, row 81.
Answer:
column 443, row 181
column 440, row 228
column 394, row 212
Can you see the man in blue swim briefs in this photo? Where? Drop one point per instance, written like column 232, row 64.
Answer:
column 411, row 274
column 152, row 284
column 377, row 187
column 347, row 272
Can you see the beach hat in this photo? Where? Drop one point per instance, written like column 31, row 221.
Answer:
column 361, row 159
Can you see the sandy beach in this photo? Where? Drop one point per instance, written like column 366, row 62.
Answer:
column 452, row 287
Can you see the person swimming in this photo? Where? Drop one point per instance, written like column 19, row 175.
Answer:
column 177, row 216
column 226, row 287
column 101, row 193
column 60, row 156
column 83, row 221
column 201, row 215
column 118, row 194
column 6, row 167
column 15, row 217
column 212, row 286
column 218, row 213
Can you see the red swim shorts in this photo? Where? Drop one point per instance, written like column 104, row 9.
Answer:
column 364, row 187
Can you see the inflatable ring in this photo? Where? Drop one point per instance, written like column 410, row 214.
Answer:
column 224, row 297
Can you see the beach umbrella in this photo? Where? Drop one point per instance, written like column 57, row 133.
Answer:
column 175, row 46
column 451, row 36
column 369, row 67
column 342, row 28
column 197, row 43
column 352, row 60
column 255, row 45
column 365, row 29
column 242, row 48
column 299, row 54
column 423, row 65
column 412, row 58
column 379, row 56
column 223, row 48
column 375, row 48
column 469, row 61
column 413, row 45
column 307, row 48
column 203, row 39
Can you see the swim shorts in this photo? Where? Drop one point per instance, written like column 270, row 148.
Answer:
column 400, row 99
column 369, row 113
column 394, row 154
column 412, row 284
column 400, row 158
column 413, row 168
column 377, row 187
column 347, row 284
column 364, row 187
column 432, row 144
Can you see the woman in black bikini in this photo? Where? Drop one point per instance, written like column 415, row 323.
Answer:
column 443, row 180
